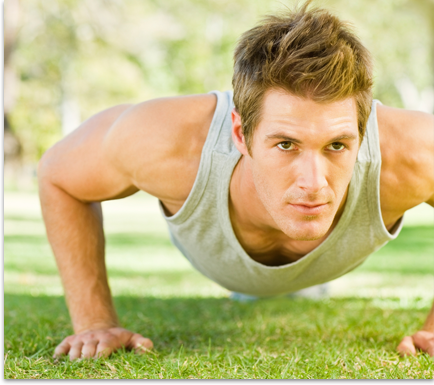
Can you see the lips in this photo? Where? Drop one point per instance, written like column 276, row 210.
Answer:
column 309, row 208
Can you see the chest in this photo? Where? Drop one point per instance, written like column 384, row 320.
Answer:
column 276, row 250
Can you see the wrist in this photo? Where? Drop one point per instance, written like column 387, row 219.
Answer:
column 95, row 325
column 429, row 323
column 429, row 328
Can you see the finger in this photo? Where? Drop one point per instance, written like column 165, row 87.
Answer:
column 140, row 344
column 89, row 349
column 62, row 349
column 425, row 341
column 406, row 347
column 103, row 349
column 75, row 351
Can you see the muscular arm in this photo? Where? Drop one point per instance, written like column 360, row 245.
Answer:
column 407, row 179
column 73, row 177
column 407, row 153
column 112, row 155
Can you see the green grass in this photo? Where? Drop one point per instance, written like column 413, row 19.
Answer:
column 219, row 338
column 197, row 331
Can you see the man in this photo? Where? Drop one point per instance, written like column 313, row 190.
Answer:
column 295, row 186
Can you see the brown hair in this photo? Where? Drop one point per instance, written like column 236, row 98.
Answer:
column 309, row 53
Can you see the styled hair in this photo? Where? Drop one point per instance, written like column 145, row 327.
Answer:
column 309, row 53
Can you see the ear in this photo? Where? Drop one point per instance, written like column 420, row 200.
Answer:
column 237, row 134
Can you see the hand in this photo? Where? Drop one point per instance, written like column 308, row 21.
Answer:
column 101, row 343
column 422, row 340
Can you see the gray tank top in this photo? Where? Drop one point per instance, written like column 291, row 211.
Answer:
column 203, row 232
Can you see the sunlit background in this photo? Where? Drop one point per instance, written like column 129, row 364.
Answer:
column 66, row 60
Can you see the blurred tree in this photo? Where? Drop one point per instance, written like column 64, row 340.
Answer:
column 413, row 98
column 12, row 22
column 399, row 36
column 76, row 57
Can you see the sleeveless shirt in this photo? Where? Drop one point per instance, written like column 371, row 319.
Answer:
column 203, row 232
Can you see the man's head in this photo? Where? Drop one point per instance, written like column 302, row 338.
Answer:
column 307, row 52
column 302, row 95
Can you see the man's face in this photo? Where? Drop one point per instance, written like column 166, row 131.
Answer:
column 302, row 158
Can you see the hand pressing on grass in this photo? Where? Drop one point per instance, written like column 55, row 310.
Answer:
column 422, row 340
column 101, row 343
column 74, row 223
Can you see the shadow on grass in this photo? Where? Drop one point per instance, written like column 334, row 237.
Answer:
column 411, row 253
column 35, row 325
column 20, row 218
column 118, row 240
column 32, row 253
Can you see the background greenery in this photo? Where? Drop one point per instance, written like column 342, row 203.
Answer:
column 72, row 58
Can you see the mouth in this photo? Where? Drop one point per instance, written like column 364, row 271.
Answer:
column 309, row 208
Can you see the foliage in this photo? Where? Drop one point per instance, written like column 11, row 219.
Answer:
column 107, row 52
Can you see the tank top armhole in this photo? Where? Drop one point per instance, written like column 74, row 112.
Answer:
column 396, row 228
column 203, row 172
column 374, row 179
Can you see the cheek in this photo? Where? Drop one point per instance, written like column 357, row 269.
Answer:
column 273, row 168
column 340, row 173
column 272, row 177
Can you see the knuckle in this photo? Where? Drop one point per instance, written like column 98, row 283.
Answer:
column 104, row 352
column 88, row 339
column 148, row 342
column 89, row 335
column 109, row 339
column 143, row 345
column 69, row 338
column 101, row 347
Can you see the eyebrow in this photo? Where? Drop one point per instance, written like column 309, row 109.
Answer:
column 293, row 140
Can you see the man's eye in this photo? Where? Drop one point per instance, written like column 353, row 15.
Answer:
column 285, row 145
column 336, row 146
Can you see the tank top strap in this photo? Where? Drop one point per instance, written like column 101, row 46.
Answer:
column 370, row 153
column 220, row 119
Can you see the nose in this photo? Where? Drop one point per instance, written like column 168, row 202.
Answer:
column 311, row 173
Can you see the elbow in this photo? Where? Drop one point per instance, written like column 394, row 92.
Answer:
column 43, row 167
column 46, row 168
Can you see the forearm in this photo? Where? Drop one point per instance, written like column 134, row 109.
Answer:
column 429, row 323
column 75, row 232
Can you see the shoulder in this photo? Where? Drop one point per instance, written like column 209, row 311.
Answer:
column 158, row 143
column 407, row 151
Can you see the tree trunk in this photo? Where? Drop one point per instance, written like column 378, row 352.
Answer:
column 12, row 22
column 11, row 144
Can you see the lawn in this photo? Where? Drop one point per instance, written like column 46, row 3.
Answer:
column 198, row 332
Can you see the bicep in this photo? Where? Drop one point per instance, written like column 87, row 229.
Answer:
column 407, row 151
column 154, row 146
column 79, row 165
column 161, row 142
column 427, row 167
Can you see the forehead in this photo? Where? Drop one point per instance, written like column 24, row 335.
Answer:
column 283, row 110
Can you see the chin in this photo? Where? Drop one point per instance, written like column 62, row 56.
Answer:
column 311, row 229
